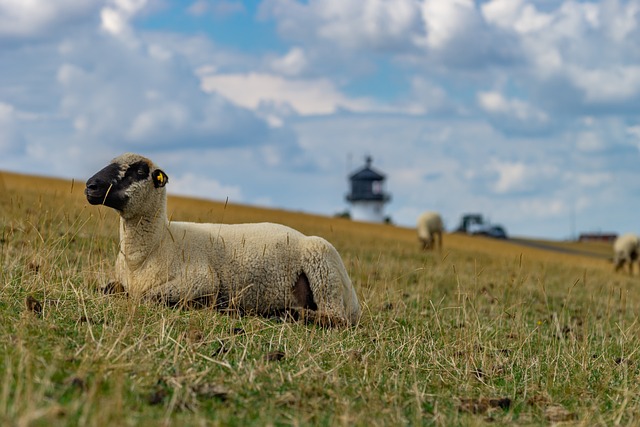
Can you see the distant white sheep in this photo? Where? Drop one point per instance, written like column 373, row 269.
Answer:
column 625, row 250
column 259, row 268
column 430, row 229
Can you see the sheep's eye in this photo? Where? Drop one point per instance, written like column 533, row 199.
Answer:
column 138, row 171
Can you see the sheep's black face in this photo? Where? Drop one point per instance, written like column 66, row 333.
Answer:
column 111, row 185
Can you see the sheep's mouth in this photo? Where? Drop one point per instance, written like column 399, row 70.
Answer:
column 107, row 197
column 95, row 197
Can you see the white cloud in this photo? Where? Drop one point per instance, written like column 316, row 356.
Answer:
column 112, row 21
column 511, row 176
column 151, row 101
column 607, row 84
column 199, row 7
column 153, row 122
column 427, row 97
column 592, row 180
column 622, row 18
column 543, row 207
column 515, row 15
column 546, row 59
column 351, row 24
column 306, row 97
column 116, row 16
column 587, row 47
column 502, row 13
column 378, row 23
column 531, row 20
column 495, row 102
column 517, row 176
column 28, row 18
column 218, row 8
column 276, row 97
column 9, row 138
column 589, row 141
column 203, row 187
column 634, row 131
column 6, row 111
column 446, row 19
column 291, row 64
column 512, row 115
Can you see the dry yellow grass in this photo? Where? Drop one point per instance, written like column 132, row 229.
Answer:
column 486, row 331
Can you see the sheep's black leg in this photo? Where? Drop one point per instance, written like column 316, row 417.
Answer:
column 113, row 287
column 633, row 256
column 302, row 293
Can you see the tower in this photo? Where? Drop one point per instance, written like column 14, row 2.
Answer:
column 367, row 196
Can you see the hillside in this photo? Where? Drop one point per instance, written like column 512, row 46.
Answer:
column 486, row 331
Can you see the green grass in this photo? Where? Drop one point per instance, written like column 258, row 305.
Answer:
column 485, row 332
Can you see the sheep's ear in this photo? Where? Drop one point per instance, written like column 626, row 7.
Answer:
column 160, row 178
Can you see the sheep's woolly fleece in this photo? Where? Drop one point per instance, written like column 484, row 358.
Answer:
column 626, row 249
column 261, row 268
column 430, row 228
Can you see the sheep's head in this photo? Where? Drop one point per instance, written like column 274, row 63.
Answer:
column 128, row 183
column 427, row 242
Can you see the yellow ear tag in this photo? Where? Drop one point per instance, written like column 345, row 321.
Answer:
column 159, row 179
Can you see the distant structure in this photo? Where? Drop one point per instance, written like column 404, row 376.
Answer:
column 474, row 223
column 597, row 237
column 367, row 196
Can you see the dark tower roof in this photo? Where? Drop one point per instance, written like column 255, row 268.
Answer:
column 367, row 173
column 367, row 185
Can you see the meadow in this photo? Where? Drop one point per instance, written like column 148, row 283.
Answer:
column 484, row 332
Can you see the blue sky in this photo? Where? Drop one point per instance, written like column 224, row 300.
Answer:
column 527, row 111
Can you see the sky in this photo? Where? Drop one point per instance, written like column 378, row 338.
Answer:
column 527, row 111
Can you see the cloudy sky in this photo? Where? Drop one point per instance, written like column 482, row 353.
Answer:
column 525, row 110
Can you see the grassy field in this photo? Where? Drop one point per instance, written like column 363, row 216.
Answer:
column 484, row 332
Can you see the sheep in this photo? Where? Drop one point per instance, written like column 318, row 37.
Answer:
column 260, row 268
column 430, row 228
column 625, row 250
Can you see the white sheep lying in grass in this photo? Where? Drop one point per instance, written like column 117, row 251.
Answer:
column 430, row 230
column 625, row 250
column 259, row 268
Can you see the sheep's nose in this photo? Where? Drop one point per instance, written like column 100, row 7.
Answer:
column 92, row 185
column 96, row 183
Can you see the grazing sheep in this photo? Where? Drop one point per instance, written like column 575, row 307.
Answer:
column 430, row 228
column 625, row 250
column 260, row 268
